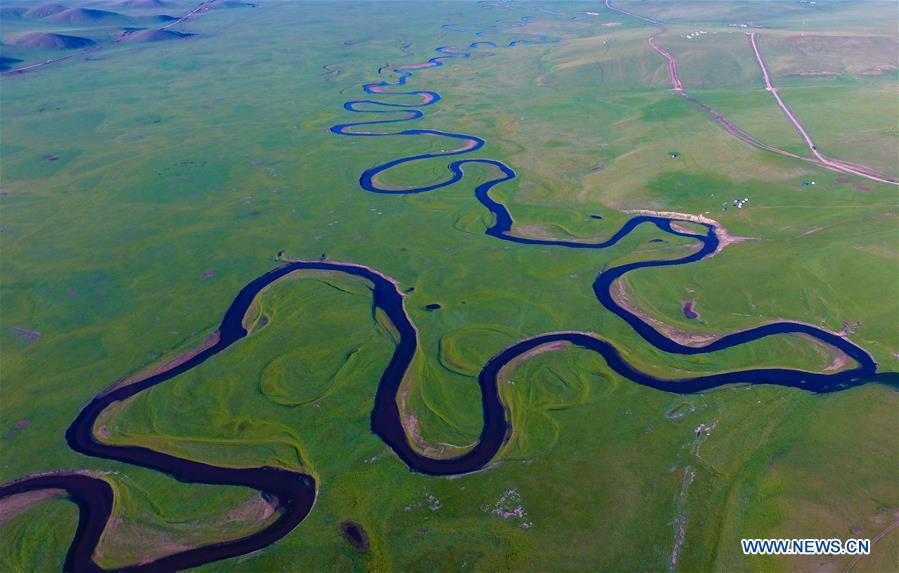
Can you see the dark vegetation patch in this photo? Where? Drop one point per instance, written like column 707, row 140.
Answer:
column 250, row 215
column 666, row 110
column 7, row 63
column 831, row 55
column 11, row 13
column 162, row 181
column 41, row 164
column 101, row 296
column 155, row 35
column 705, row 68
column 86, row 16
column 49, row 41
column 149, row 119
column 232, row 4
column 356, row 535
column 676, row 186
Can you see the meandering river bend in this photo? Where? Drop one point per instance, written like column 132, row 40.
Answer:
column 294, row 493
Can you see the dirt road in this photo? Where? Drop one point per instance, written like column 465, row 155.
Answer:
column 817, row 157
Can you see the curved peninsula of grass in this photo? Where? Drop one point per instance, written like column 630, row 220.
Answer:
column 294, row 492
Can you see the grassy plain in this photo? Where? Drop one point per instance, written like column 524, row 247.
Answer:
column 212, row 154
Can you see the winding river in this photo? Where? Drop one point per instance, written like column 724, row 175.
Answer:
column 294, row 493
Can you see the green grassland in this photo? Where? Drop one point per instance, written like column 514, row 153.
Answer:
column 213, row 154
column 824, row 78
column 38, row 539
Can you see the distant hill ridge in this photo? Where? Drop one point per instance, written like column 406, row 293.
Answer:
column 154, row 35
column 86, row 16
column 44, row 10
column 50, row 41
